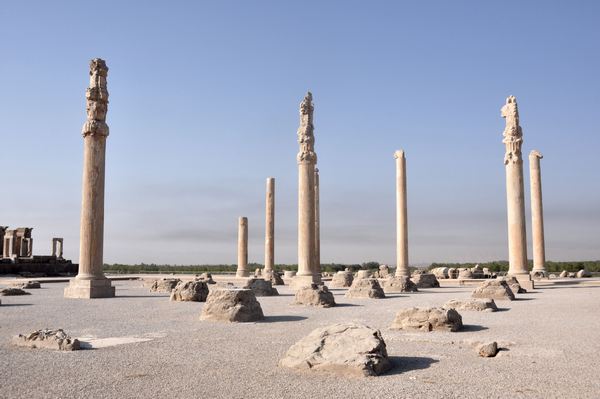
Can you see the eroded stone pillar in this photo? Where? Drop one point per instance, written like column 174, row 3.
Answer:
column 317, row 264
column 537, row 213
column 90, row 282
column 402, row 269
column 242, row 266
column 515, row 199
column 270, row 228
column 307, row 158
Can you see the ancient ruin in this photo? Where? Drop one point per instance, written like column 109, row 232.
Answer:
column 242, row 264
column 269, row 228
column 427, row 319
column 494, row 289
column 48, row 339
column 189, row 291
column 315, row 295
column 317, row 264
column 401, row 217
column 480, row 305
column 537, row 214
column 231, row 305
column 307, row 158
column 365, row 288
column 90, row 282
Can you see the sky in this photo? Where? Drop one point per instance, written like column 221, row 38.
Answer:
column 204, row 103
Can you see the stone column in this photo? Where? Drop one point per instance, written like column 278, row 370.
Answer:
column 537, row 213
column 242, row 266
column 317, row 230
column 269, row 228
column 515, row 200
column 90, row 282
column 401, row 217
column 306, row 196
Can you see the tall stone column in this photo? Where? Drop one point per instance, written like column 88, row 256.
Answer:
column 537, row 213
column 307, row 158
column 270, row 228
column 242, row 266
column 317, row 230
column 401, row 217
column 90, row 282
column 515, row 200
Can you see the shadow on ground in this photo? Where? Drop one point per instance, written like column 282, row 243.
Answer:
column 275, row 319
column 403, row 364
column 472, row 328
column 15, row 304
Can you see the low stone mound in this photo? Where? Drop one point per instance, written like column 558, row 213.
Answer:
column 190, row 291
column 583, row 274
column 398, row 284
column 480, row 305
column 341, row 279
column 427, row 319
column 47, row 339
column 488, row 350
column 289, row 274
column 425, row 280
column 13, row 292
column 477, row 271
column 514, row 285
column 363, row 274
column 538, row 275
column 571, row 275
column 440, row 272
column 274, row 277
column 453, row 273
column 384, row 271
column 27, row 285
column 205, row 278
column 494, row 289
column 365, row 288
column 563, row 274
column 465, row 273
column 261, row 287
column 315, row 295
column 232, row 305
column 164, row 285
column 345, row 349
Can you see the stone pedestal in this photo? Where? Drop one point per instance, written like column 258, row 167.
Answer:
column 242, row 266
column 515, row 200
column 402, row 269
column 90, row 281
column 270, row 228
column 537, row 214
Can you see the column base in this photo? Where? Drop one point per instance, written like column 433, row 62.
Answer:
column 87, row 289
column 242, row 273
column 539, row 274
column 524, row 280
column 301, row 282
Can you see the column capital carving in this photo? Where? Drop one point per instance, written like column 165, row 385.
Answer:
column 535, row 154
column 306, row 137
column 399, row 154
column 96, row 100
column 513, row 134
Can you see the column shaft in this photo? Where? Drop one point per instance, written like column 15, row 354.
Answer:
column 270, row 226
column 401, row 217
column 537, row 213
column 242, row 266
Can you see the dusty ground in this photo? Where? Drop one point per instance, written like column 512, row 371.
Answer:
column 551, row 339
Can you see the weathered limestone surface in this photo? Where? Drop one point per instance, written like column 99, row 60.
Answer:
column 307, row 158
column 515, row 198
column 317, row 264
column 465, row 273
column 270, row 228
column 261, row 287
column 563, row 274
column 427, row 319
column 164, row 285
column 231, row 305
column 346, row 349
column 206, row 278
column 441, row 272
column 242, row 266
column 384, row 271
column 494, row 289
column 453, row 273
column 13, row 292
column 341, row 279
column 190, row 291
column 289, row 274
column 488, row 350
column 363, row 274
column 514, row 285
column 47, row 339
column 583, row 273
column 90, row 282
column 537, row 214
column 425, row 280
column 480, row 305
column 398, row 284
column 315, row 295
column 401, row 217
column 27, row 285
column 365, row 288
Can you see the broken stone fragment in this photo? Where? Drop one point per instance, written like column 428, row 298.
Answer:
column 315, row 295
column 488, row 350
column 48, row 339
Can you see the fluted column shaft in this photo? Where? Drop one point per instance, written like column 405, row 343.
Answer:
column 242, row 265
column 270, row 226
column 537, row 213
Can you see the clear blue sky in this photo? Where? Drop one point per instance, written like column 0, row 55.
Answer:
column 204, row 106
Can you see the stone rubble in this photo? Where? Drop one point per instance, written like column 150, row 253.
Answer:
column 315, row 295
column 47, row 339
column 232, row 305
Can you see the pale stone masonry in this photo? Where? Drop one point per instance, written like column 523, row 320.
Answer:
column 515, row 200
column 242, row 265
column 269, row 228
column 537, row 213
column 90, row 282
column 401, row 217
column 317, row 229
column 307, row 158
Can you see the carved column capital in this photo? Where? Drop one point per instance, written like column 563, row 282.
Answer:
column 96, row 100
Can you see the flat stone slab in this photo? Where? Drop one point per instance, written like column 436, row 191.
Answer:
column 427, row 319
column 231, row 305
column 346, row 349
column 13, row 292
column 342, row 279
column 480, row 305
column 494, row 289
column 365, row 288
column 27, row 285
column 316, row 295
column 397, row 284
column 47, row 339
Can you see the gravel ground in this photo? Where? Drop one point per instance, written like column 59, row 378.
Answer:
column 551, row 341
